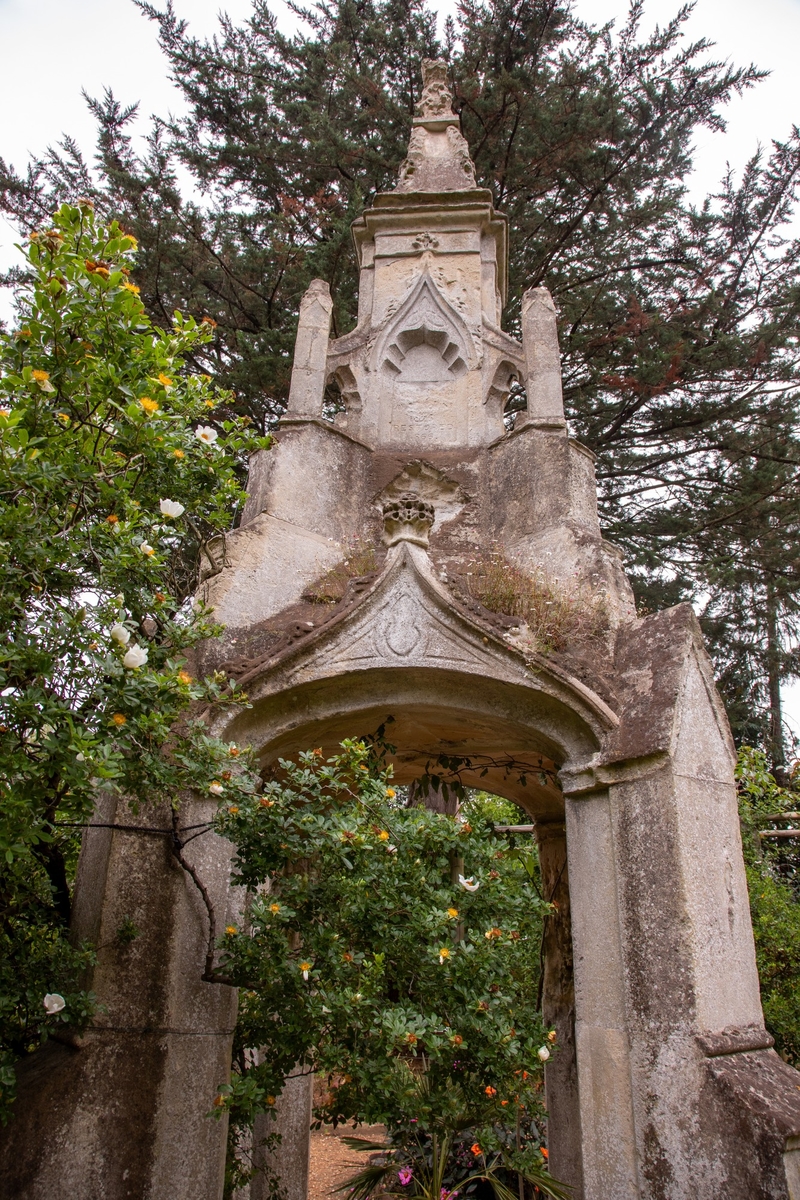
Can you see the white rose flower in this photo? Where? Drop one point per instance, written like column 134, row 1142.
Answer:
column 215, row 788
column 206, row 434
column 53, row 1003
column 171, row 508
column 147, row 549
column 135, row 657
column 120, row 634
column 543, row 1053
column 469, row 884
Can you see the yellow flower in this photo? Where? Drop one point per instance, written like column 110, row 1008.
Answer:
column 130, row 287
column 391, row 793
column 552, row 1035
column 383, row 835
column 149, row 406
column 305, row 966
column 179, row 453
column 452, row 912
column 230, row 929
column 270, row 1100
column 210, row 403
column 273, row 908
column 443, row 954
column 23, row 333
column 184, row 677
column 119, row 719
column 63, row 417
column 164, row 380
column 233, row 810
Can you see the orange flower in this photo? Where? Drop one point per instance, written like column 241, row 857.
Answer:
column 179, row 453
column 112, row 520
column 119, row 719
column 457, row 1039
column 270, row 1100
column 347, row 956
column 149, row 406
column 273, row 908
column 219, row 1102
column 265, row 803
column 412, row 1039
column 466, row 827
column 209, row 321
column 233, row 751
column 545, row 1153
column 503, row 1103
column 552, row 1035
column 490, row 1091
column 233, row 809
column 230, row 929
column 184, row 677
column 452, row 912
column 475, row 1148
column 160, row 597
column 164, row 380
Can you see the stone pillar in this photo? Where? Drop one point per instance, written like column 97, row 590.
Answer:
column 289, row 1160
column 558, row 1010
column 601, row 1037
column 311, row 351
column 542, row 359
column 123, row 1112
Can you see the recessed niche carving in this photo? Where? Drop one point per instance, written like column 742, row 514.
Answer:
column 426, row 340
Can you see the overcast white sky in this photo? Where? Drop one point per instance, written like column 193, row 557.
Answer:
column 51, row 49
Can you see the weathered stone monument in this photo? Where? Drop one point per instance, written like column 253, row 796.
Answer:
column 666, row 1087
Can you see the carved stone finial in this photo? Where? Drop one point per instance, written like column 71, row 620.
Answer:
column 407, row 519
column 438, row 156
column 436, row 100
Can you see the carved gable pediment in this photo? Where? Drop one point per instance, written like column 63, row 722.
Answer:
column 405, row 621
column 426, row 333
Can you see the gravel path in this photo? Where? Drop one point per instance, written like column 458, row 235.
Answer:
column 332, row 1162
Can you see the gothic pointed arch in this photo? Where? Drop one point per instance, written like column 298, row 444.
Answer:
column 426, row 318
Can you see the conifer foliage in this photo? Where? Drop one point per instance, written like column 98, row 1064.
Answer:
column 678, row 322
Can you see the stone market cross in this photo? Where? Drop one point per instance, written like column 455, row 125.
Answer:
column 666, row 1086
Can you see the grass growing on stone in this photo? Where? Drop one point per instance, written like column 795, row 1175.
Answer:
column 360, row 560
column 553, row 615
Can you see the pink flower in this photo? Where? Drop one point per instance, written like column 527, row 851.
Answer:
column 405, row 1175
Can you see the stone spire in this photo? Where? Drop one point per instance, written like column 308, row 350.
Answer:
column 438, row 156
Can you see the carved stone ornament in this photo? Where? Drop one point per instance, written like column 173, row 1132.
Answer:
column 407, row 519
column 436, row 100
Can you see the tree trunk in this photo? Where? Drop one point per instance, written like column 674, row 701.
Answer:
column 777, row 745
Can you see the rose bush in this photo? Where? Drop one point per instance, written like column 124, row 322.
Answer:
column 111, row 484
column 395, row 950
